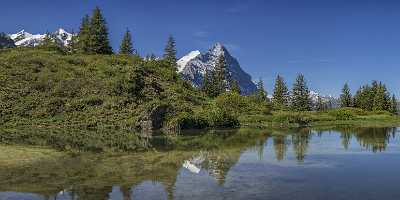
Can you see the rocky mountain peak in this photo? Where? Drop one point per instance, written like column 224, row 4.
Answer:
column 194, row 65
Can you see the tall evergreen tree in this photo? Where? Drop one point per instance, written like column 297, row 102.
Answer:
column 126, row 44
column 301, row 100
column 219, row 76
column 345, row 97
column 83, row 37
column 261, row 94
column 170, row 51
column 98, row 40
column 393, row 105
column 207, row 86
column 380, row 100
column 280, row 97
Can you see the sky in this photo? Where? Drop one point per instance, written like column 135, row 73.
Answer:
column 330, row 42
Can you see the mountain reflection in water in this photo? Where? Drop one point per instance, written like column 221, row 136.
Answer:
column 226, row 164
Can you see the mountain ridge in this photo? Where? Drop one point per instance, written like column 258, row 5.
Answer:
column 26, row 39
column 194, row 65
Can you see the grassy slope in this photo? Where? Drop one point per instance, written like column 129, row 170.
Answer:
column 47, row 89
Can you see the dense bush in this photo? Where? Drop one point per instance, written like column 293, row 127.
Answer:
column 346, row 113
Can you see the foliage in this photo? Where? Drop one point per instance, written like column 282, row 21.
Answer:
column 98, row 32
column 86, row 90
column 300, row 100
column 219, row 78
column 170, row 51
column 280, row 97
column 344, row 113
column 261, row 94
column 373, row 97
column 126, row 46
column 93, row 35
column 83, row 37
column 345, row 97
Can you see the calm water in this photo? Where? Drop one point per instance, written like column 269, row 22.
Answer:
column 341, row 163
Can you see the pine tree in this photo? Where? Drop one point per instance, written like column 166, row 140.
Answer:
column 301, row 100
column 98, row 40
column 126, row 44
column 393, row 105
column 357, row 98
column 261, row 94
column 235, row 88
column 380, row 100
column 170, row 51
column 83, row 37
column 219, row 76
column 280, row 97
column 345, row 97
column 207, row 85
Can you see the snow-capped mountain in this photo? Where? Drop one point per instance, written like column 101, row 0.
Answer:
column 194, row 65
column 26, row 39
column 327, row 99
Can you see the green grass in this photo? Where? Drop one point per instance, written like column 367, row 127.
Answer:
column 341, row 116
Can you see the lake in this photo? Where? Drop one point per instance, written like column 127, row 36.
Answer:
column 335, row 163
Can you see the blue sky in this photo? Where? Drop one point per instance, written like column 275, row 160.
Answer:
column 330, row 42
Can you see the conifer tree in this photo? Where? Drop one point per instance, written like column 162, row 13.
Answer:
column 170, row 51
column 345, row 97
column 126, row 44
column 83, row 37
column 261, row 94
column 207, row 85
column 301, row 100
column 380, row 100
column 393, row 105
column 219, row 76
column 280, row 97
column 98, row 40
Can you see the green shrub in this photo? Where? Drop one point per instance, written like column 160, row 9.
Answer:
column 345, row 113
column 300, row 118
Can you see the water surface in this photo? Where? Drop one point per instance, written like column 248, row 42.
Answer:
column 338, row 163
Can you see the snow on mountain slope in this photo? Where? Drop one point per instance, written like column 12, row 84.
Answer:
column 185, row 59
column 194, row 65
column 26, row 39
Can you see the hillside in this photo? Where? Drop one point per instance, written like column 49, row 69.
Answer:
column 46, row 88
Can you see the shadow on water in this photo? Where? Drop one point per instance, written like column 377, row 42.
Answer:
column 122, row 176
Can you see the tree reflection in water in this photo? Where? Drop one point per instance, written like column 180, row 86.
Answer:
column 120, row 176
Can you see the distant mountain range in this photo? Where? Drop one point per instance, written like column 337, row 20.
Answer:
column 26, row 39
column 194, row 65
